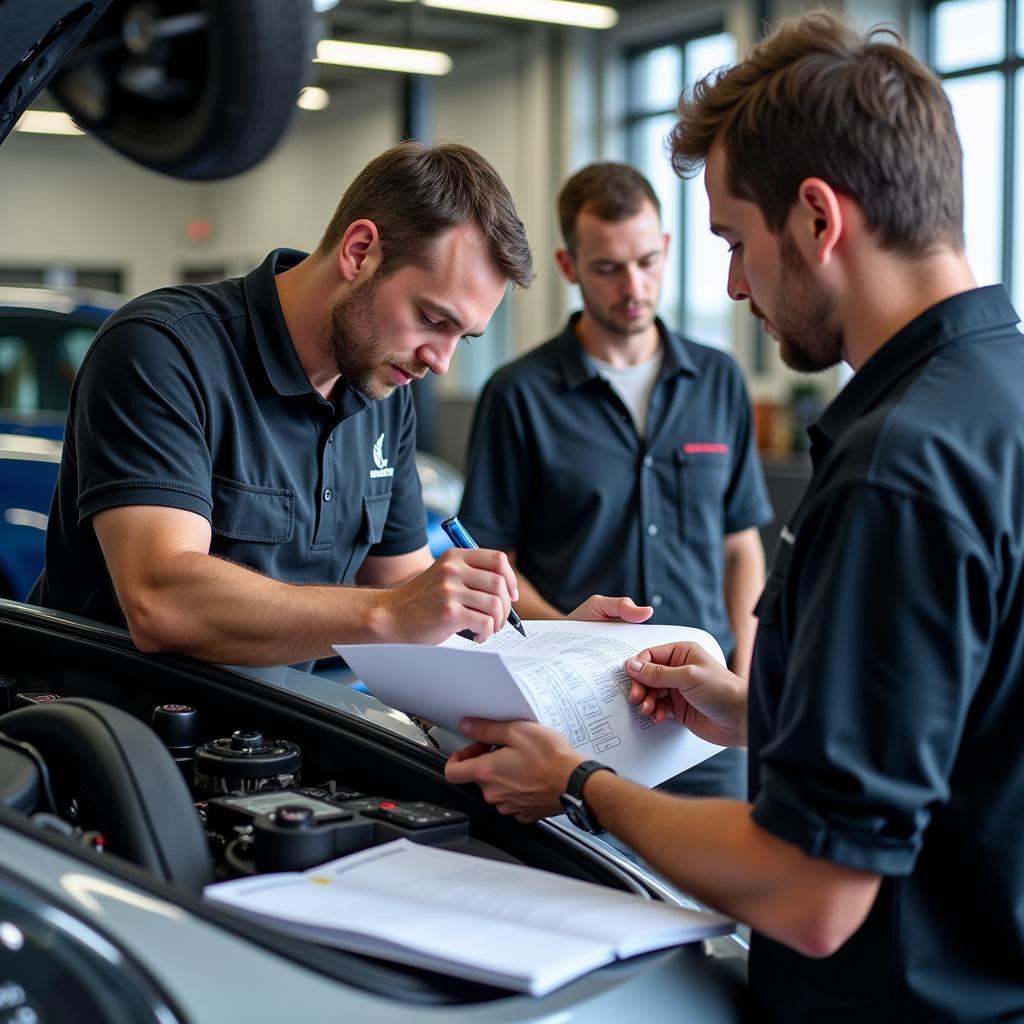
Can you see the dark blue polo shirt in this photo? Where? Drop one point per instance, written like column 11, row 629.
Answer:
column 558, row 472
column 194, row 398
column 887, row 691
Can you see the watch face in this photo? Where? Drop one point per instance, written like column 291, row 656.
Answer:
column 577, row 816
column 576, row 812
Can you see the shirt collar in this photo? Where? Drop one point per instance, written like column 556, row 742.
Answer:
column 575, row 370
column 273, row 338
column 975, row 311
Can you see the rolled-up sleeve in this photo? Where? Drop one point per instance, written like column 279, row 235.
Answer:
column 891, row 611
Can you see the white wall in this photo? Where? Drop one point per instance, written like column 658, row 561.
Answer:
column 70, row 201
column 73, row 201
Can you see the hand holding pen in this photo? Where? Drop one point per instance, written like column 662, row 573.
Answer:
column 459, row 536
column 462, row 589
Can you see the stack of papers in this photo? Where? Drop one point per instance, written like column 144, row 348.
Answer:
column 489, row 921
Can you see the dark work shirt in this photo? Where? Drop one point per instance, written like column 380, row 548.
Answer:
column 194, row 398
column 557, row 472
column 887, row 690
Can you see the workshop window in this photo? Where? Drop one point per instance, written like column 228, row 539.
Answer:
column 694, row 298
column 977, row 49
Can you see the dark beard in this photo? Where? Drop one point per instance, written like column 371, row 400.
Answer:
column 356, row 347
column 810, row 337
column 352, row 340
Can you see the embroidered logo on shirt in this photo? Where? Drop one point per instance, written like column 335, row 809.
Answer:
column 705, row 448
column 383, row 469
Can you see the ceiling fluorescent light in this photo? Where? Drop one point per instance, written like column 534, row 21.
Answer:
column 383, row 58
column 47, row 122
column 313, row 98
column 556, row 12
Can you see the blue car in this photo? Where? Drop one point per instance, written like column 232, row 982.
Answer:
column 44, row 335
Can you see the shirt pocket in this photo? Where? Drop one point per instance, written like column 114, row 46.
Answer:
column 702, row 480
column 370, row 531
column 375, row 516
column 241, row 511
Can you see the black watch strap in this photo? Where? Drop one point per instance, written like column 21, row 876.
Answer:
column 573, row 803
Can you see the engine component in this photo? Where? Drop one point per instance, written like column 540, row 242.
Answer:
column 246, row 762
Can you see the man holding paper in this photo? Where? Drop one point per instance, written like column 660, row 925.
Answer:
column 879, row 860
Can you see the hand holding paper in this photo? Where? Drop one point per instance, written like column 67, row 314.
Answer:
column 520, row 767
column 567, row 675
column 682, row 681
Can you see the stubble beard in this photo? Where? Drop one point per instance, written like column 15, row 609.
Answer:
column 805, row 316
column 607, row 321
column 354, row 344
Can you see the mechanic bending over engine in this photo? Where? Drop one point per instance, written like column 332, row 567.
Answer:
column 239, row 454
column 880, row 860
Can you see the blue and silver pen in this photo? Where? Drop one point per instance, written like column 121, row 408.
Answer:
column 459, row 536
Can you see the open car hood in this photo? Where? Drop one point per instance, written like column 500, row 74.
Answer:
column 35, row 38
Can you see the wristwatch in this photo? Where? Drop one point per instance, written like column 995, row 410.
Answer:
column 573, row 804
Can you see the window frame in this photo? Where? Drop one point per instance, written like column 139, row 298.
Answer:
column 635, row 112
column 1009, row 68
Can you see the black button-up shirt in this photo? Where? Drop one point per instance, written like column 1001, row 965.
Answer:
column 194, row 398
column 558, row 472
column 887, row 690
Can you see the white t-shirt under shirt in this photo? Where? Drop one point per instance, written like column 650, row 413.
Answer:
column 633, row 384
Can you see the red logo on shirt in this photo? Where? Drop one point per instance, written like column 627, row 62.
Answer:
column 703, row 448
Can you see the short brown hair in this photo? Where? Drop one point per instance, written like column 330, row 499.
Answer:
column 819, row 99
column 610, row 191
column 414, row 193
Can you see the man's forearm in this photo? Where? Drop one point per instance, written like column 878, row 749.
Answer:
column 713, row 849
column 217, row 611
column 709, row 847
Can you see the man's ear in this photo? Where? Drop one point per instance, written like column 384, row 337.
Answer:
column 359, row 254
column 567, row 265
column 817, row 221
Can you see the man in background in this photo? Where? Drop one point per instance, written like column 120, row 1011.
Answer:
column 618, row 457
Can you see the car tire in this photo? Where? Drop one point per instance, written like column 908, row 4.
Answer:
column 196, row 89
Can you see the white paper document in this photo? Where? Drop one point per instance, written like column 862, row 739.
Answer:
column 503, row 924
column 567, row 675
